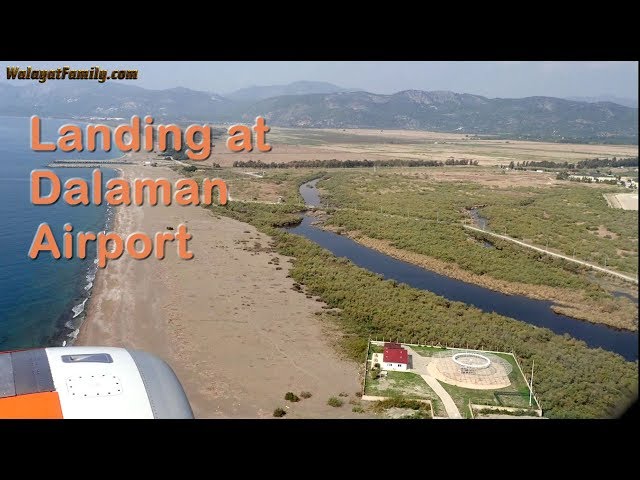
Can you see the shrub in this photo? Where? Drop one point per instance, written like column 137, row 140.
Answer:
column 334, row 402
column 357, row 409
column 189, row 169
column 421, row 409
column 292, row 397
column 305, row 394
column 279, row 412
column 343, row 394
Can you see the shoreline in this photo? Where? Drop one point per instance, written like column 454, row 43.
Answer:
column 111, row 222
column 229, row 322
column 569, row 306
column 70, row 323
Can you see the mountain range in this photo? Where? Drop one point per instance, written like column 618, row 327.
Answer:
column 303, row 87
column 323, row 105
column 627, row 102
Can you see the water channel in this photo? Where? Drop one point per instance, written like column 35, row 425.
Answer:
column 534, row 312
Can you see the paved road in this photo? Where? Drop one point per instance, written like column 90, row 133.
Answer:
column 559, row 255
column 447, row 401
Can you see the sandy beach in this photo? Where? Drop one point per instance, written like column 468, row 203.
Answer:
column 228, row 321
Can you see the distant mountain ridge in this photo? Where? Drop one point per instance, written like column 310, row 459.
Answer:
column 531, row 118
column 303, row 87
column 112, row 99
column 627, row 102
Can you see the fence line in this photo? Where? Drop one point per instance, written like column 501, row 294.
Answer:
column 529, row 386
column 449, row 347
column 366, row 365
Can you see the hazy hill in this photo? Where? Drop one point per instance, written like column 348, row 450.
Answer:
column 111, row 99
column 627, row 102
column 296, row 88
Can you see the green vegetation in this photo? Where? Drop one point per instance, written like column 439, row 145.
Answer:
column 501, row 411
column 427, row 351
column 571, row 218
column 279, row 412
column 422, row 409
column 589, row 163
column 515, row 395
column 403, row 385
column 424, row 217
column 334, row 402
column 357, row 409
column 507, row 397
column 292, row 397
column 572, row 380
column 305, row 394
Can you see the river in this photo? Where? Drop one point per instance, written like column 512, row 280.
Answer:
column 534, row 312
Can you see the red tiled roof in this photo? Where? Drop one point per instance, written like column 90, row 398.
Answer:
column 395, row 355
column 392, row 345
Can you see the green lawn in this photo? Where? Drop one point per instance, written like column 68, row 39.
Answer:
column 515, row 395
column 427, row 351
column 404, row 385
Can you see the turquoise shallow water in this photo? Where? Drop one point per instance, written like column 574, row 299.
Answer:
column 38, row 297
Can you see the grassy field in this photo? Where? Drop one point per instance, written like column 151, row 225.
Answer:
column 573, row 381
column 515, row 395
column 359, row 144
column 440, row 146
column 404, row 385
column 567, row 217
column 410, row 385
column 422, row 215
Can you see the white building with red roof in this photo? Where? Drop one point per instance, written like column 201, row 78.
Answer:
column 394, row 357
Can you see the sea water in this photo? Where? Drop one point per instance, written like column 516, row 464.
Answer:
column 42, row 301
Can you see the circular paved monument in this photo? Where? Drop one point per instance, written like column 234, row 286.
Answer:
column 480, row 371
column 471, row 361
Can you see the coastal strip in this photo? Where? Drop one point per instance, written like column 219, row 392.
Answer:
column 228, row 321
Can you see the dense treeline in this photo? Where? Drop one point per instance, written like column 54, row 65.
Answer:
column 571, row 379
column 581, row 165
column 353, row 163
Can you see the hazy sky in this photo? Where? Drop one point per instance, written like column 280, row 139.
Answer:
column 492, row 79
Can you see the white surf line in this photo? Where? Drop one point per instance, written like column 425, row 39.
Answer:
column 559, row 255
